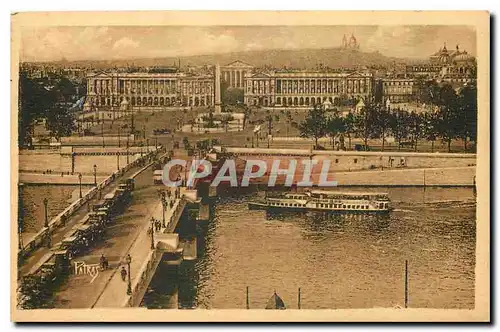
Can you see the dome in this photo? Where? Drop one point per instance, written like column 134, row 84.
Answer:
column 464, row 56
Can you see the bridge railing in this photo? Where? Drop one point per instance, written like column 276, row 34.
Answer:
column 145, row 271
column 151, row 260
column 38, row 239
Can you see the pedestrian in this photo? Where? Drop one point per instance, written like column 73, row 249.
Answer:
column 123, row 273
column 102, row 261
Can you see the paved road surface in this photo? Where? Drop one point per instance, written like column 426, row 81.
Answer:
column 128, row 234
column 77, row 217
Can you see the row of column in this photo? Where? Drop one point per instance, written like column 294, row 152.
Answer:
column 196, row 87
column 261, row 87
column 132, row 86
column 148, row 87
column 235, row 78
column 311, row 86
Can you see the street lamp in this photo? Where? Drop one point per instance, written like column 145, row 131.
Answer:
column 49, row 240
column 118, row 161
column 80, row 181
column 45, row 202
column 102, row 130
column 163, row 203
column 95, row 175
column 129, row 284
column 152, row 233
column 127, row 150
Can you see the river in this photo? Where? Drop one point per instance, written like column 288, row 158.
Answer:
column 338, row 261
column 59, row 197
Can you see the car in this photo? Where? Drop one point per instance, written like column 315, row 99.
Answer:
column 161, row 131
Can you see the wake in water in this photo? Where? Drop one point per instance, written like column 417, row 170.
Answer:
column 403, row 210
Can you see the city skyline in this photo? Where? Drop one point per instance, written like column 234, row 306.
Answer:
column 133, row 42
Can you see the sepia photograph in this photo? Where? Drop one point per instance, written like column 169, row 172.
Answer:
column 250, row 166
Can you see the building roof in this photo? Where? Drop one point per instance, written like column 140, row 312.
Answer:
column 239, row 63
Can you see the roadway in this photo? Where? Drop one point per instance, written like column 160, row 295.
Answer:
column 59, row 233
column 127, row 234
column 78, row 291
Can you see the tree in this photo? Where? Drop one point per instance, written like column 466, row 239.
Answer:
column 428, row 91
column 399, row 125
column 335, row 126
column 416, row 128
column 314, row 125
column 269, row 119
column 447, row 124
column 60, row 122
column 382, row 122
column 349, row 129
column 430, row 123
column 34, row 99
column 365, row 123
column 289, row 119
column 64, row 90
column 467, row 114
column 231, row 96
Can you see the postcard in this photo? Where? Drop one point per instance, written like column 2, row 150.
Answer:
column 250, row 166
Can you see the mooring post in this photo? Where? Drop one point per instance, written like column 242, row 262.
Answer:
column 299, row 299
column 248, row 300
column 406, row 283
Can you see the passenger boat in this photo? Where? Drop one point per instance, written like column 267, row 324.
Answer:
column 329, row 201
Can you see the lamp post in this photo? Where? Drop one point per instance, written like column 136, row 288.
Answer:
column 49, row 240
column 102, row 130
column 80, row 182
column 45, row 202
column 129, row 284
column 95, row 175
column 127, row 150
column 20, row 215
column 152, row 233
column 147, row 145
column 163, row 203
column 118, row 161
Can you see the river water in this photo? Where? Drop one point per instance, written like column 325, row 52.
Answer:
column 59, row 197
column 338, row 261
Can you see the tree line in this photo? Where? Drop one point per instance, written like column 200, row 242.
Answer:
column 46, row 99
column 454, row 116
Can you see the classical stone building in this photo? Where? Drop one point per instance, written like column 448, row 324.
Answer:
column 399, row 90
column 306, row 88
column 235, row 72
column 455, row 66
column 148, row 90
column 351, row 44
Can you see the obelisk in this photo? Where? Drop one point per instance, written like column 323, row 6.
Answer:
column 217, row 89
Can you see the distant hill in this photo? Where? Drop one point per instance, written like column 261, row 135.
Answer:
column 302, row 58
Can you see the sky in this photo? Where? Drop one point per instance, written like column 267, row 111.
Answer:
column 127, row 42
